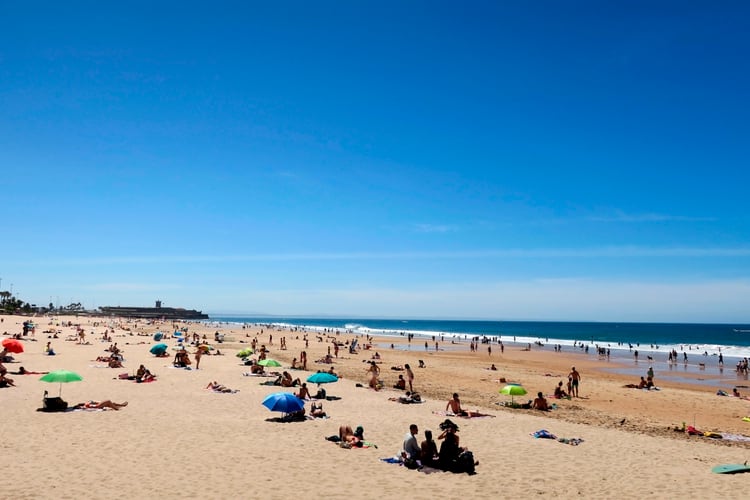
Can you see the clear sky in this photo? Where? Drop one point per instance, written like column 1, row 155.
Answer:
column 504, row 160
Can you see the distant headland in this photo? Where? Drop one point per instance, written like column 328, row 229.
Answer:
column 157, row 312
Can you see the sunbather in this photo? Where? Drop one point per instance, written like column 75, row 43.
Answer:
column 303, row 393
column 101, row 405
column 286, row 380
column 454, row 404
column 144, row 375
column 540, row 403
column 316, row 410
column 217, row 387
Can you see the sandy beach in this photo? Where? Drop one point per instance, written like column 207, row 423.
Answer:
column 178, row 439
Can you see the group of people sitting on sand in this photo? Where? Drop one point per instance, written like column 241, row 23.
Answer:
column 181, row 359
column 143, row 374
column 451, row 456
column 115, row 359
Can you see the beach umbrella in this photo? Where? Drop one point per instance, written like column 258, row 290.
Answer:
column 13, row 345
column 61, row 377
column 285, row 402
column 158, row 349
column 245, row 353
column 269, row 362
column 158, row 336
column 513, row 390
column 322, row 378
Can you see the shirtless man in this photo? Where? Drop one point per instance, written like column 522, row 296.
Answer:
column 540, row 403
column 575, row 379
column 303, row 392
column 454, row 404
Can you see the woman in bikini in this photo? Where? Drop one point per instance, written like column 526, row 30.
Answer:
column 100, row 405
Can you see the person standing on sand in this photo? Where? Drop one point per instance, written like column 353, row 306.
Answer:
column 198, row 354
column 575, row 379
column 409, row 377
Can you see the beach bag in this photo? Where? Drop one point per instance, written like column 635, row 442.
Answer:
column 465, row 462
column 55, row 404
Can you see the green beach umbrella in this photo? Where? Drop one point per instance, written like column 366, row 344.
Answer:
column 245, row 353
column 269, row 362
column 61, row 377
column 513, row 390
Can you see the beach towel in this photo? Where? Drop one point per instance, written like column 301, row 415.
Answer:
column 543, row 434
column 70, row 410
column 571, row 441
column 735, row 437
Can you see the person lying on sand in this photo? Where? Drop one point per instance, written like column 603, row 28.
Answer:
column 354, row 438
column 408, row 398
column 24, row 371
column 100, row 405
column 217, row 387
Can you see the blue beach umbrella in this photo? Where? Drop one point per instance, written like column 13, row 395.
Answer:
column 158, row 349
column 158, row 336
column 285, row 402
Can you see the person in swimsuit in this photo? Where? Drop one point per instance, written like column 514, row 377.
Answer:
column 575, row 379
column 99, row 405
column 540, row 403
column 454, row 404
column 303, row 393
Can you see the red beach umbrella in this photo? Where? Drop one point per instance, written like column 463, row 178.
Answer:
column 13, row 345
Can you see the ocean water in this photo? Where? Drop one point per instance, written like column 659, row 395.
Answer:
column 695, row 340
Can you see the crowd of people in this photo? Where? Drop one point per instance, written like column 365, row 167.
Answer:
column 449, row 457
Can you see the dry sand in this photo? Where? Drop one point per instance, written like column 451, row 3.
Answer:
column 177, row 439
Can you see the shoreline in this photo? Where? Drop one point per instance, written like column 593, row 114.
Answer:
column 734, row 352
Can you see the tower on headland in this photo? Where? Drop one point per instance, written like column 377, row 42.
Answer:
column 158, row 304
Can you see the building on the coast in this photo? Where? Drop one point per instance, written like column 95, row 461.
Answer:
column 157, row 312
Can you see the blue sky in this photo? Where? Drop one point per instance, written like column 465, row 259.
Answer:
column 502, row 160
